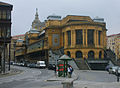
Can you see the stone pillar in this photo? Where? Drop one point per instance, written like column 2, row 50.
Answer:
column 73, row 38
column 72, row 54
column 96, row 54
column 66, row 40
column 95, row 35
column 86, row 38
column 97, row 38
column 102, row 39
column 83, row 36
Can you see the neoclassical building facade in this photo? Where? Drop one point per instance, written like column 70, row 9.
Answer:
column 80, row 36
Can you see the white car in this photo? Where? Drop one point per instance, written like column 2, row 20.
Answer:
column 40, row 64
column 113, row 69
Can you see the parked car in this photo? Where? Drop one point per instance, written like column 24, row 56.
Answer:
column 117, row 72
column 32, row 65
column 22, row 64
column 112, row 70
column 40, row 64
column 51, row 67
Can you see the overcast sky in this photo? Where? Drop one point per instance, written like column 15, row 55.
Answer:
column 24, row 12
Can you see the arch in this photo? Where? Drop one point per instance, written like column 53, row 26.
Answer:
column 79, row 54
column 100, row 54
column 68, row 53
column 91, row 54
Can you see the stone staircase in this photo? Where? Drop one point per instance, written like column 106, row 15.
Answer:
column 82, row 64
column 112, row 57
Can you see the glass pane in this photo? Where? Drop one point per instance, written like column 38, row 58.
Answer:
column 79, row 37
column 4, row 14
column 69, row 37
column 8, row 32
column 0, row 14
column 8, row 14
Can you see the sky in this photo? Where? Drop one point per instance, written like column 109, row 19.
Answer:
column 24, row 11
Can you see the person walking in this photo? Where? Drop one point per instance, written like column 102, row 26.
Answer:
column 69, row 71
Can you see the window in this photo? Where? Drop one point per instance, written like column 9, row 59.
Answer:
column 63, row 39
column 8, row 14
column 4, row 14
column 99, row 39
column 90, row 37
column 68, row 53
column 91, row 54
column 100, row 54
column 8, row 32
column 79, row 54
column 79, row 37
column 69, row 37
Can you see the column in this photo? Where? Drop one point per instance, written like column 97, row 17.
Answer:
column 86, row 38
column 101, row 38
column 66, row 40
column 83, row 36
column 95, row 38
column 73, row 38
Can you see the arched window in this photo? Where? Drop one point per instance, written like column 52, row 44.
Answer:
column 68, row 53
column 100, row 54
column 91, row 54
column 79, row 54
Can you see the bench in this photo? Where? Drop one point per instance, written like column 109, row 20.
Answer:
column 68, row 83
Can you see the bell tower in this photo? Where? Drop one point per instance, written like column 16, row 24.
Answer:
column 36, row 22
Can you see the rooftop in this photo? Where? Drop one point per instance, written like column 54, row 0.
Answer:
column 5, row 4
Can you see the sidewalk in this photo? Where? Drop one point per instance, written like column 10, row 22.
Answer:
column 55, row 78
column 13, row 71
column 83, row 84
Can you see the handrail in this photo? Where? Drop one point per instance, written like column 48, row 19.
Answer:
column 87, row 64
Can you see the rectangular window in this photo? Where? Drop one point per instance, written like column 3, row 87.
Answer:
column 69, row 37
column 90, row 37
column 63, row 39
column 4, row 14
column 8, row 15
column 8, row 34
column 79, row 37
column 99, row 37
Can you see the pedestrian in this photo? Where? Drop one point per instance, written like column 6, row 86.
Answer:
column 117, row 74
column 69, row 71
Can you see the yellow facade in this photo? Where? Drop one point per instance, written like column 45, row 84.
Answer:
column 63, row 34
column 73, row 23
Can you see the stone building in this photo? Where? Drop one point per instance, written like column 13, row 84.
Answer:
column 5, row 32
column 76, row 36
column 113, row 43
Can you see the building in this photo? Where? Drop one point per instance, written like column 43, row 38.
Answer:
column 5, row 32
column 76, row 36
column 16, row 40
column 113, row 43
